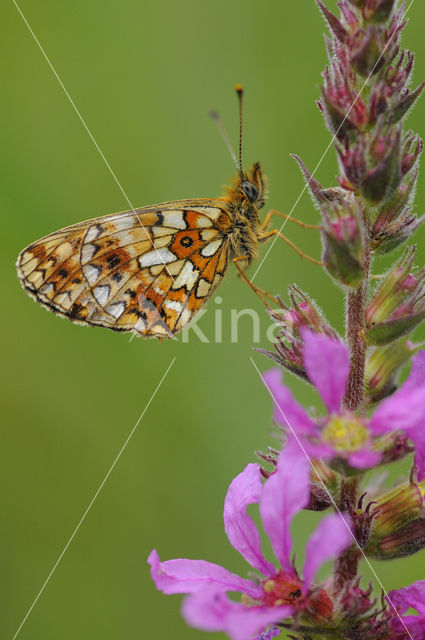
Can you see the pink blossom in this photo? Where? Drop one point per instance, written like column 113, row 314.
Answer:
column 411, row 597
column 278, row 592
column 342, row 436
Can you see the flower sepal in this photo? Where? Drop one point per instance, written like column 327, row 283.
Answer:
column 343, row 241
column 398, row 523
column 383, row 366
column 376, row 11
column 291, row 320
column 398, row 305
column 395, row 222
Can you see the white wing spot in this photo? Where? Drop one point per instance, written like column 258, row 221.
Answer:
column 211, row 212
column 173, row 305
column 184, row 319
column 140, row 325
column 46, row 289
column 92, row 272
column 156, row 270
column 208, row 234
column 157, row 256
column 203, row 287
column 174, row 219
column 87, row 252
column 36, row 278
column 102, row 294
column 212, row 248
column 162, row 231
column 63, row 300
column 187, row 277
column 94, row 232
column 116, row 309
column 127, row 221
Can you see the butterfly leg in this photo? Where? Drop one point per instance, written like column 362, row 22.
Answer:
column 261, row 293
column 287, row 217
column 276, row 232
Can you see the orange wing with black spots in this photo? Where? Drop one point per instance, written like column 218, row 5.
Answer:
column 148, row 271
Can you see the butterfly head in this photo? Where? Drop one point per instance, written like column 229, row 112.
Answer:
column 253, row 185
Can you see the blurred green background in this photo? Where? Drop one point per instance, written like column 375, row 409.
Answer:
column 144, row 75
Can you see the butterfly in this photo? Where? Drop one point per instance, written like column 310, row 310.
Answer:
column 152, row 269
column 149, row 270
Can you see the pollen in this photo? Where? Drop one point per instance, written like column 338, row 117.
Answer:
column 269, row 585
column 345, row 433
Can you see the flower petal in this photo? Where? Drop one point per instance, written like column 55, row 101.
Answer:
column 411, row 596
column 245, row 489
column 287, row 411
column 332, row 536
column 285, row 493
column 404, row 410
column 192, row 576
column 418, row 438
column 403, row 599
column 364, row 459
column 215, row 612
column 417, row 372
column 327, row 364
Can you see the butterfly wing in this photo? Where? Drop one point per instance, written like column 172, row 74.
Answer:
column 149, row 270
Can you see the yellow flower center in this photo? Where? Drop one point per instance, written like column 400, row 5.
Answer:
column 345, row 433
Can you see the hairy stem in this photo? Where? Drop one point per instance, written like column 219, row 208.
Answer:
column 355, row 322
column 347, row 563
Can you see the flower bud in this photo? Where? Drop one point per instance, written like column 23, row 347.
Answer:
column 407, row 101
column 383, row 366
column 324, row 486
column 291, row 320
column 343, row 241
column 394, row 446
column 390, row 93
column 368, row 51
column 412, row 149
column 343, row 108
column 387, row 237
column 377, row 10
column 398, row 306
column 384, row 177
column 398, row 523
column 336, row 26
column 373, row 166
column 395, row 222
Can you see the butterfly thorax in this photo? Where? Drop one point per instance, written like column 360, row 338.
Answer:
column 244, row 197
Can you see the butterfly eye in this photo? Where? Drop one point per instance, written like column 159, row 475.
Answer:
column 250, row 190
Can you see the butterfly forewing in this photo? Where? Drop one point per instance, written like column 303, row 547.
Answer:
column 148, row 270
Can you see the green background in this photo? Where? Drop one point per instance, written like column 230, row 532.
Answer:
column 144, row 74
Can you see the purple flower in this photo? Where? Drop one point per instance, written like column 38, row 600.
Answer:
column 341, row 436
column 279, row 592
column 403, row 599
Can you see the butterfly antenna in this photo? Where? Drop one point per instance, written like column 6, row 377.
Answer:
column 214, row 115
column 239, row 92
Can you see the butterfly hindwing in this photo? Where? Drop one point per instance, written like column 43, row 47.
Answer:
column 149, row 270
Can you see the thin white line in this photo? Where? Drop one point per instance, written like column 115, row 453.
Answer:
column 271, row 245
column 92, row 501
column 330, row 496
column 88, row 131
